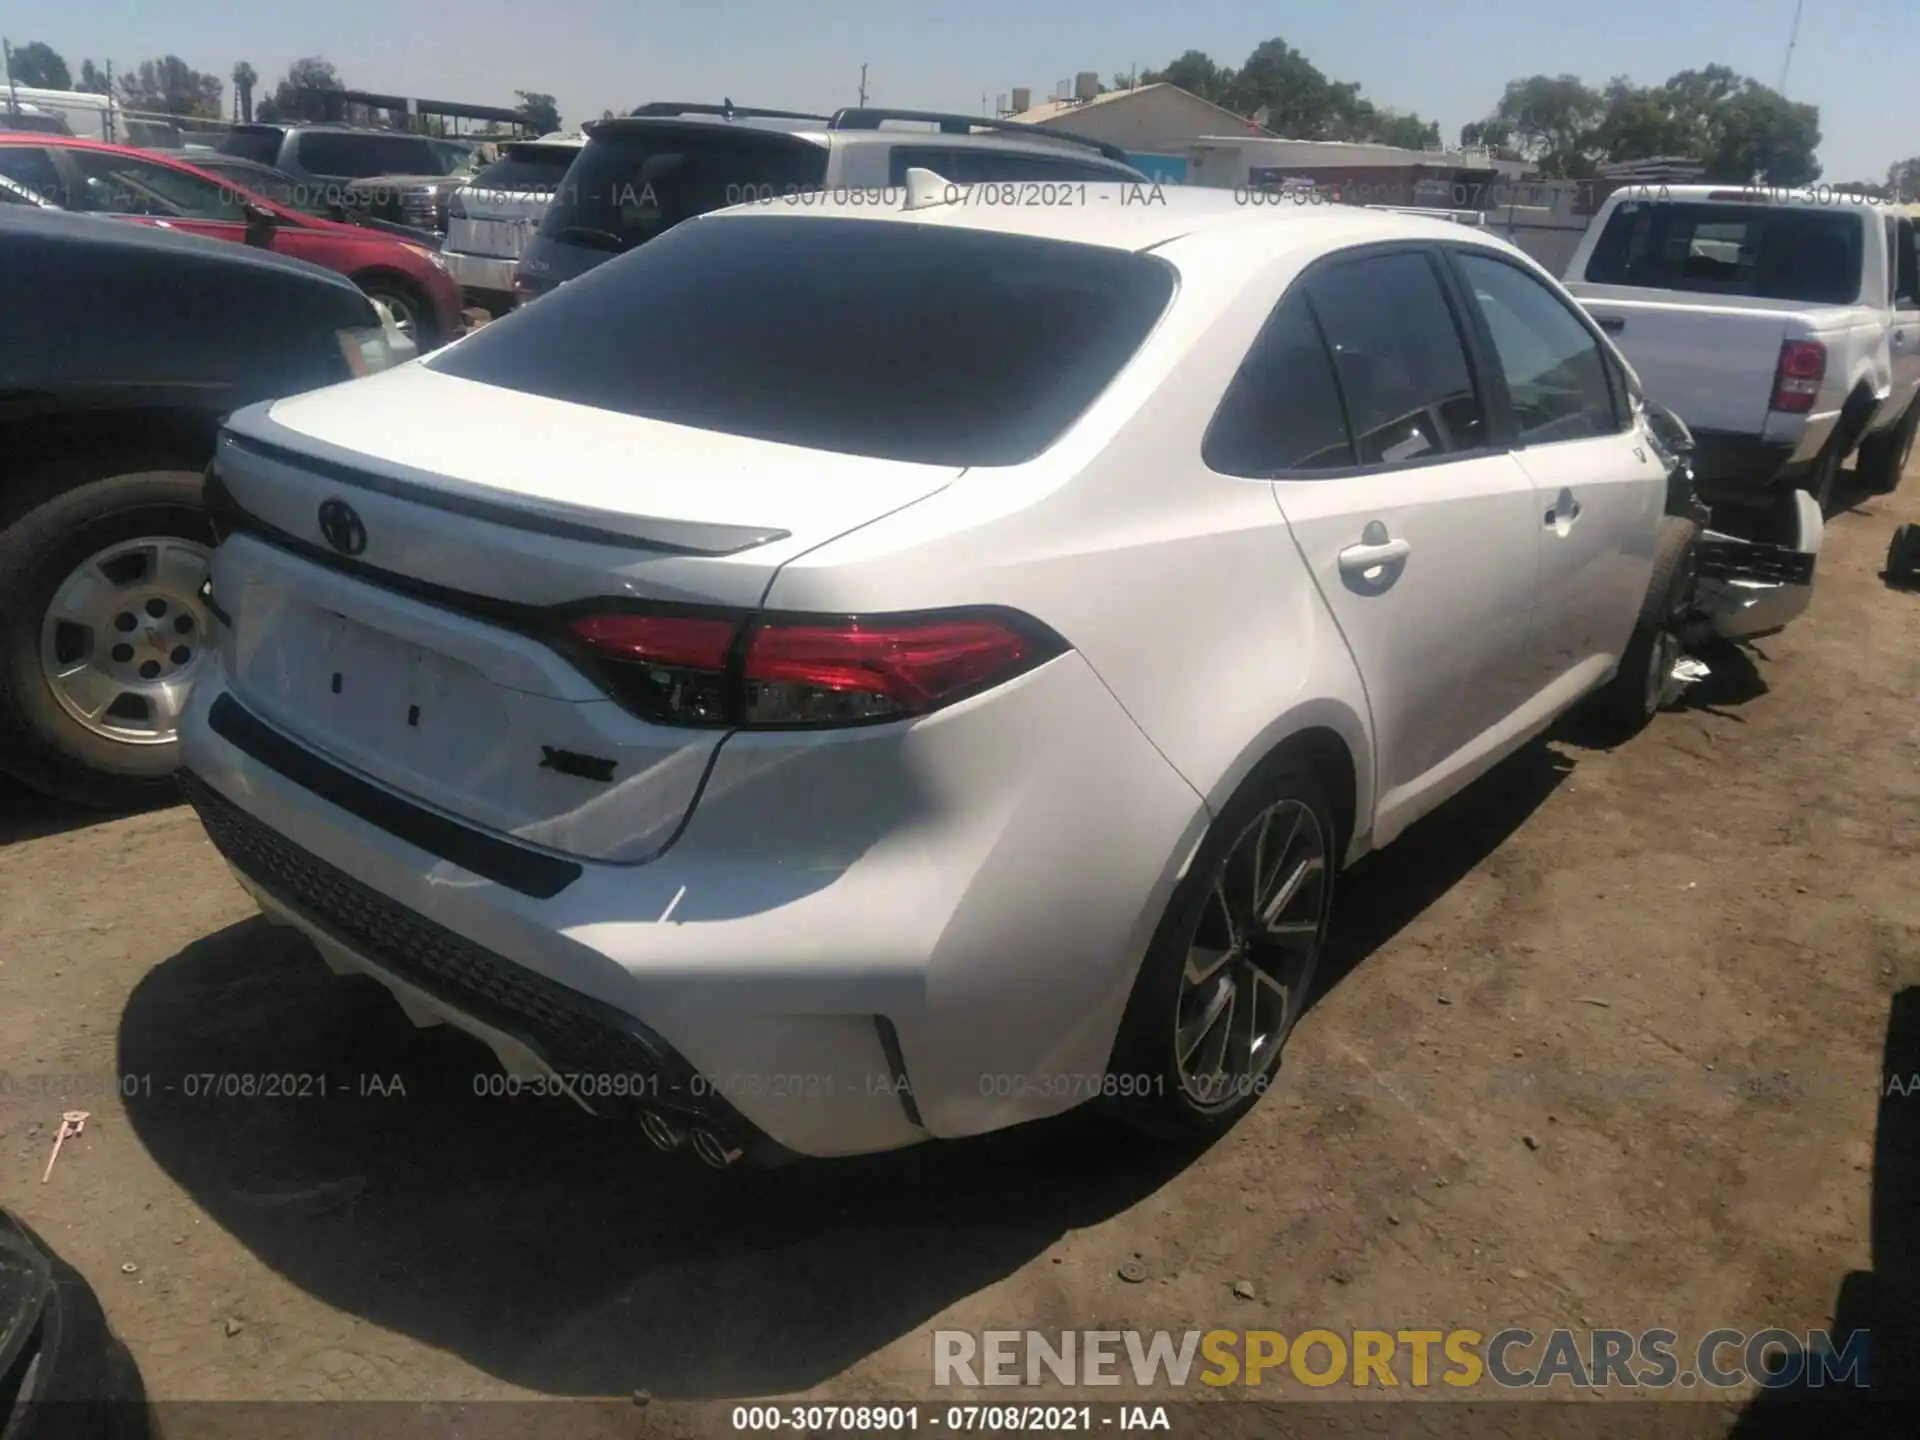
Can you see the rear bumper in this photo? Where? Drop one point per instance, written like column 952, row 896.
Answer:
column 964, row 901
column 1739, row 468
column 1754, row 589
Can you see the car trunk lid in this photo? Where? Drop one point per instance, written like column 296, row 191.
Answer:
column 398, row 613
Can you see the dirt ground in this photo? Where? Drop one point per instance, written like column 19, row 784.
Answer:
column 1603, row 1045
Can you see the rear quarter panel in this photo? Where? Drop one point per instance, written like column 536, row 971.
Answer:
column 1182, row 588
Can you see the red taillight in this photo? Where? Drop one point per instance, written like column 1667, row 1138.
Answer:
column 691, row 670
column 1796, row 380
column 835, row 674
column 665, row 639
column 671, row 669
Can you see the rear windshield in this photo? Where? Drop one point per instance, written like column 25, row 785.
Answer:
column 522, row 174
column 1766, row 252
column 902, row 341
column 260, row 146
column 352, row 156
column 624, row 190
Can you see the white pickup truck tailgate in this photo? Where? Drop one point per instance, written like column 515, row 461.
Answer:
column 1712, row 362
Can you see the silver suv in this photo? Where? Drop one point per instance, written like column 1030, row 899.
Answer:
column 666, row 162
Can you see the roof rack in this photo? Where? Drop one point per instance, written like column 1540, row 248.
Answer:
column 727, row 111
column 854, row 118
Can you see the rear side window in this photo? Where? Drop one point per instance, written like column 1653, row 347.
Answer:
column 1556, row 376
column 355, row 157
column 623, row 191
column 520, row 174
column 866, row 337
column 1906, row 290
column 1398, row 353
column 1765, row 252
column 1282, row 413
column 29, row 167
column 975, row 166
column 260, row 146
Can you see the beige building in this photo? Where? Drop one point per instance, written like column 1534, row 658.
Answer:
column 1151, row 119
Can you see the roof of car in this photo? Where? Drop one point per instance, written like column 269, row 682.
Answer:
column 816, row 128
column 1133, row 215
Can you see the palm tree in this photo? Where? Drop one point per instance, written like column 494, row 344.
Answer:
column 245, row 77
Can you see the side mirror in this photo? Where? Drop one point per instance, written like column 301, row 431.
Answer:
column 261, row 223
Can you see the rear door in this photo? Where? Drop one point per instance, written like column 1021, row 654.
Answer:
column 1422, row 543
column 1598, row 490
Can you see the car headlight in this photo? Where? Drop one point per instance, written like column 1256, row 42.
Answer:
column 439, row 260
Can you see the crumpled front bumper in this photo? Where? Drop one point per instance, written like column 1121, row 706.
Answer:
column 1750, row 588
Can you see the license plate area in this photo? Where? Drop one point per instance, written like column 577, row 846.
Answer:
column 373, row 697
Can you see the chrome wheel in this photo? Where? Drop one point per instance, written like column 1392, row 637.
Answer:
column 124, row 636
column 404, row 319
column 1250, row 956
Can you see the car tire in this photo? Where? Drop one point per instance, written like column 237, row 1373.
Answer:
column 412, row 311
column 1640, row 688
column 1166, row 1077
column 1903, row 557
column 1883, row 458
column 94, row 534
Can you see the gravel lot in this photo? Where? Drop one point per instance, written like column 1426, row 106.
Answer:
column 1602, row 1046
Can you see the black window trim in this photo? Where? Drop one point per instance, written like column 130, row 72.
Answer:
column 1490, row 355
column 1497, row 417
column 1904, row 257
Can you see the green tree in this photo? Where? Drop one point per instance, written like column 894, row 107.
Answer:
column 172, row 87
column 93, row 80
column 36, row 63
column 540, row 111
column 1903, row 179
column 1194, row 71
column 1296, row 99
column 1551, row 120
column 1738, row 128
column 1759, row 134
column 303, row 94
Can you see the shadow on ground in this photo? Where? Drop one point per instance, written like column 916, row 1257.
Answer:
column 28, row 815
column 1384, row 893
column 561, row 1253
column 1877, row 1310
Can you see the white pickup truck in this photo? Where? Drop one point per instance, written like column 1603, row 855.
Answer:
column 1782, row 326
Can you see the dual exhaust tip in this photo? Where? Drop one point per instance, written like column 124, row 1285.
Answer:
column 715, row 1151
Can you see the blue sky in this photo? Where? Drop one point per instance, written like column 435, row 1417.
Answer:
column 1448, row 59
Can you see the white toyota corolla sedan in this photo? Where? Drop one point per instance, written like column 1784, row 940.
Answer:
column 844, row 675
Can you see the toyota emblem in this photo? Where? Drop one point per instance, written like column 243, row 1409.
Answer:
column 342, row 528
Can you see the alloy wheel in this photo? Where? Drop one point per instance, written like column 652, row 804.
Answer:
column 124, row 635
column 403, row 317
column 1251, row 956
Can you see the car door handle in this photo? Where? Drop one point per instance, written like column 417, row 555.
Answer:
column 1612, row 324
column 1373, row 556
column 1572, row 513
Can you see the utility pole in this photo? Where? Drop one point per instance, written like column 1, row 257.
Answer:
column 13, row 90
column 863, row 87
column 1793, row 38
